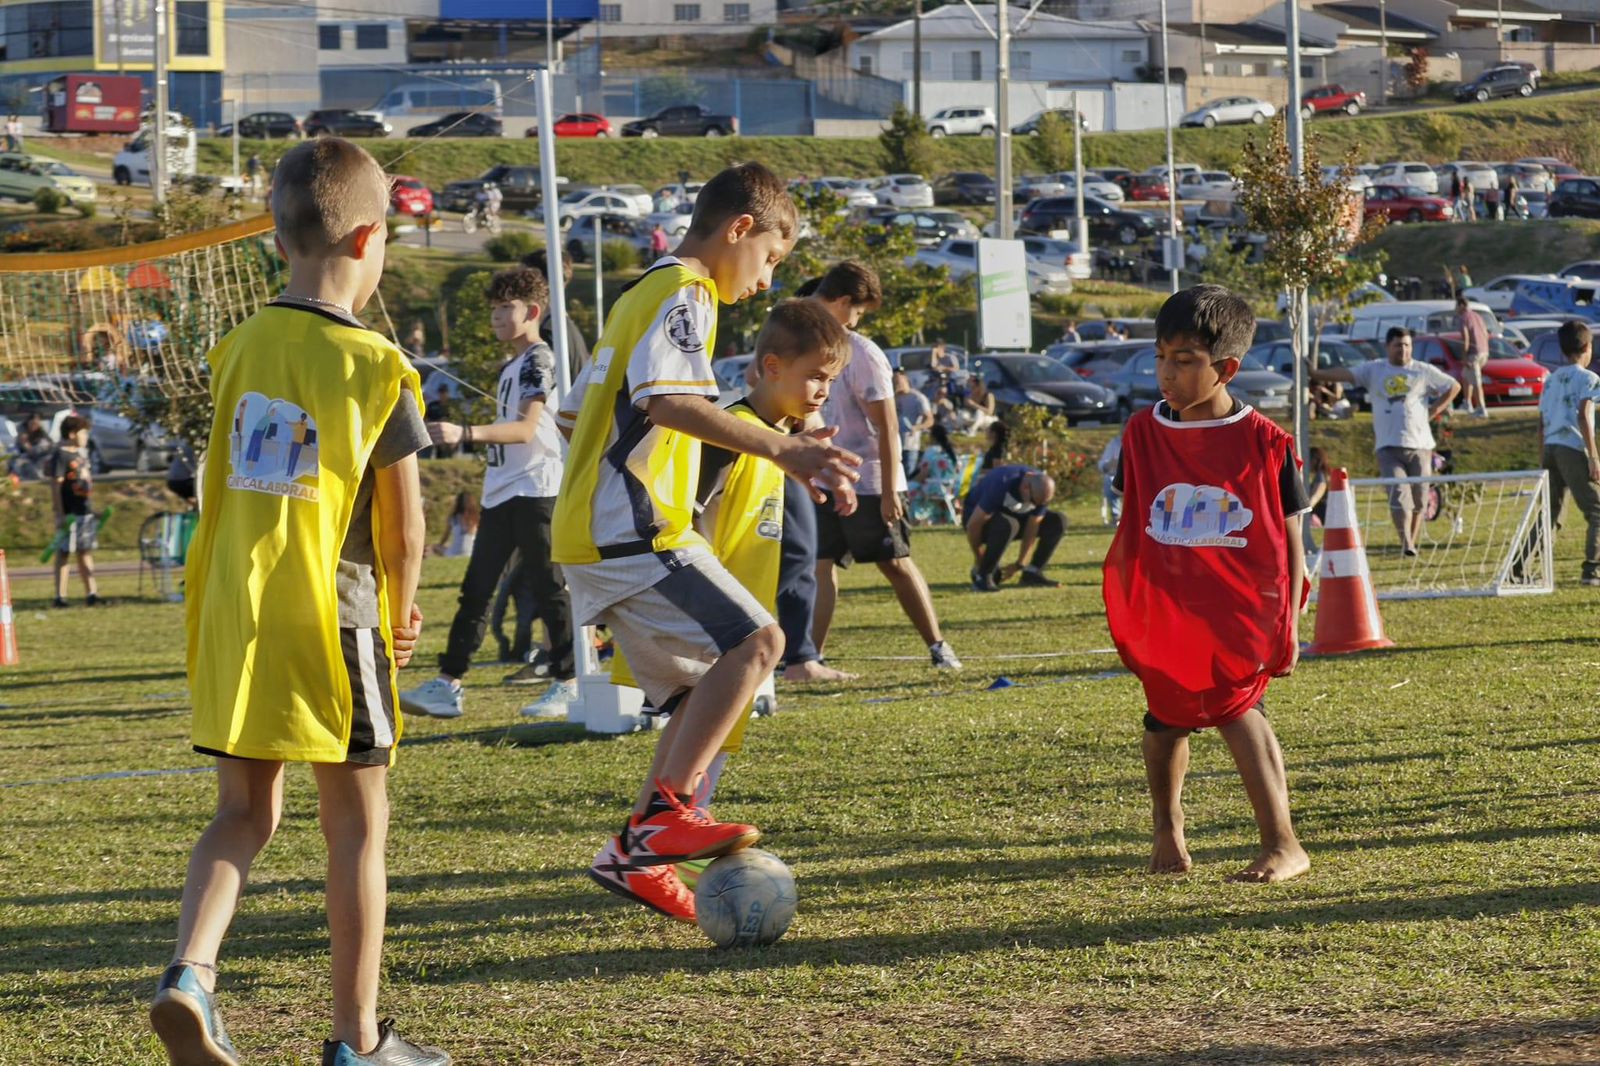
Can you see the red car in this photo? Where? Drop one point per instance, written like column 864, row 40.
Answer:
column 1331, row 99
column 1144, row 186
column 579, row 125
column 408, row 196
column 1509, row 377
column 1406, row 203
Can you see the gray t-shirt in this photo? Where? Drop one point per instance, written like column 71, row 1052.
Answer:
column 404, row 434
column 911, row 408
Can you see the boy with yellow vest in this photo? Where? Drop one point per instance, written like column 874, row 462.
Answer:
column 739, row 503
column 698, row 642
column 301, row 598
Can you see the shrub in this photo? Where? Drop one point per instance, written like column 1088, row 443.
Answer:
column 86, row 209
column 907, row 148
column 619, row 255
column 1052, row 145
column 49, row 200
column 512, row 245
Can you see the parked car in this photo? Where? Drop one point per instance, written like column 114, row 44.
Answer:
column 1422, row 317
column 950, row 121
column 1409, row 175
column 1498, row 293
column 1400, row 203
column 1277, row 355
column 1031, row 187
column 902, row 190
column 116, row 441
column 675, row 222
column 1576, row 198
column 1115, row 175
column 1206, row 182
column 685, row 192
column 1137, row 387
column 963, row 187
column 408, row 196
column 1231, row 109
column 1558, row 168
column 1133, row 329
column 1355, row 180
column 342, row 122
column 1534, row 330
column 1096, row 361
column 953, row 221
column 919, row 357
column 519, row 189
column 1030, row 125
column 613, row 229
column 265, row 126
column 1060, row 253
column 1538, row 203
column 1509, row 377
column 581, row 202
column 1145, row 187
column 1481, row 175
column 960, row 256
column 460, row 124
column 729, row 372
column 22, row 175
column 1093, row 185
column 1499, row 81
column 1531, row 177
column 577, row 124
column 1020, row 379
column 1557, row 298
column 927, row 230
column 684, row 120
column 1586, row 269
column 1106, row 222
column 1331, row 100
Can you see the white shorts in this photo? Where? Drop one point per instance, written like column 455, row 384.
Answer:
column 672, row 632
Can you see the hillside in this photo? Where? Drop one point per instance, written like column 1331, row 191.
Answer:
column 1488, row 248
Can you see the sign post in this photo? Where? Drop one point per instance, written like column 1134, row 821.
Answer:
column 1005, row 315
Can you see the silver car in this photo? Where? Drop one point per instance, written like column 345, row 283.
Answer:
column 1230, row 109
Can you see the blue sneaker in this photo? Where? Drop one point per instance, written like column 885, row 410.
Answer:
column 392, row 1050
column 187, row 1022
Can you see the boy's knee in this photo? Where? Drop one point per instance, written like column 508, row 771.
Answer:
column 766, row 645
column 254, row 821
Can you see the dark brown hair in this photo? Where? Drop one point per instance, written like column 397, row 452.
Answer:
column 1211, row 315
column 1574, row 337
column 854, row 280
column 744, row 189
column 797, row 328
column 70, row 426
column 519, row 283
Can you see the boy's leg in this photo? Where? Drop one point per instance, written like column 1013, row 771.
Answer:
column 249, row 802
column 1166, row 761
column 911, row 589
column 86, row 571
column 1586, row 495
column 542, row 580
column 493, row 546
column 61, row 575
column 827, row 597
column 353, row 806
column 1260, row 762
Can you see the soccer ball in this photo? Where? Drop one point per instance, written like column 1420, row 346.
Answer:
column 745, row 898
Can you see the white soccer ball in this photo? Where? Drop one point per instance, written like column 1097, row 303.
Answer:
column 745, row 898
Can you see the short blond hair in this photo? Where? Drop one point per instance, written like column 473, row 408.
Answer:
column 324, row 190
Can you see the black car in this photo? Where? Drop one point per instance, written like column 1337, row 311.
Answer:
column 344, row 123
column 1022, row 378
column 927, row 230
column 265, row 125
column 519, row 189
column 1106, row 222
column 964, row 187
column 459, row 124
column 1576, row 198
column 1501, row 81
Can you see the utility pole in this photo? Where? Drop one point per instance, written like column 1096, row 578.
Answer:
column 549, row 35
column 1299, row 301
column 1077, row 170
column 233, row 106
column 1172, row 253
column 1383, row 53
column 158, row 139
column 1002, row 120
column 916, row 59
column 1499, row 30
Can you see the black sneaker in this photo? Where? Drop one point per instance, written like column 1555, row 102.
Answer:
column 983, row 582
column 1035, row 578
column 392, row 1050
column 536, row 671
column 59, row 602
column 92, row 600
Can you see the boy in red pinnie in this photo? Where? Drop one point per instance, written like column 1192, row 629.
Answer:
column 1204, row 581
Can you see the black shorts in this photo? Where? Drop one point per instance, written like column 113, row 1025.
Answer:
column 863, row 536
column 372, row 729
column 1152, row 724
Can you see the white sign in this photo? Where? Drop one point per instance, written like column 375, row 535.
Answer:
column 1005, row 318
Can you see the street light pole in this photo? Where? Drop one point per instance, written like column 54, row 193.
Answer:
column 158, row 140
column 1299, row 299
column 1171, row 252
column 1383, row 53
column 1002, row 120
column 1077, row 170
column 916, row 59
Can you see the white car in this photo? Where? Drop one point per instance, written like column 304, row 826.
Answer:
column 1230, row 109
column 902, row 190
column 951, row 121
column 683, row 193
column 638, row 194
column 1498, row 294
column 1416, row 175
column 1482, row 175
column 1109, row 191
column 954, row 221
column 1051, row 251
column 960, row 257
column 1357, row 182
column 592, row 202
column 1199, row 184
column 1180, row 169
column 675, row 222
column 1037, row 186
column 855, row 193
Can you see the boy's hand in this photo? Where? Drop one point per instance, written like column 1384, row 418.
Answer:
column 1594, row 468
column 406, row 637
column 808, row 456
column 1294, row 654
column 444, row 432
column 845, row 501
column 892, row 507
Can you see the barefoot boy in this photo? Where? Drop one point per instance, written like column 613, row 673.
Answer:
column 302, row 578
column 1205, row 577
column 697, row 641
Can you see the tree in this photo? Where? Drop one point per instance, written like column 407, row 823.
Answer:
column 668, row 90
column 1416, row 69
column 907, row 148
column 1052, row 145
column 1221, row 260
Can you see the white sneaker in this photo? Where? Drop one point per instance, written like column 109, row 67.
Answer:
column 436, row 699
column 943, row 657
column 554, row 702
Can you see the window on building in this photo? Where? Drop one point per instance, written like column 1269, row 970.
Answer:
column 685, row 12
column 330, row 38
column 193, row 19
column 1132, row 55
column 735, row 12
column 864, row 64
column 47, row 30
column 908, row 62
column 967, row 66
column 372, row 36
column 610, row 12
column 1022, row 64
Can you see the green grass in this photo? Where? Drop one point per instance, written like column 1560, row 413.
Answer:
column 1487, row 248
column 969, row 862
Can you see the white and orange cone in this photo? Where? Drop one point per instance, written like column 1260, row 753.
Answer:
column 8, row 625
column 1347, row 608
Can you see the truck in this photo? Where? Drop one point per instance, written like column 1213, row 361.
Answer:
column 683, row 120
column 92, row 103
column 132, row 165
column 1331, row 99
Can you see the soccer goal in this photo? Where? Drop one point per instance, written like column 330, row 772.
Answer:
column 1482, row 535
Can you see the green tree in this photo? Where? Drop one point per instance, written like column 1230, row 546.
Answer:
column 1052, row 145
column 669, row 90
column 1221, row 263
column 907, row 148
column 475, row 352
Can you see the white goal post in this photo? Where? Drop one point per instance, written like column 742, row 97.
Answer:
column 1482, row 535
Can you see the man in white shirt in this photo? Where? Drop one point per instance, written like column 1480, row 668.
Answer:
column 1405, row 397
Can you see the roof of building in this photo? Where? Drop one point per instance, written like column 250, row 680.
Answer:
column 957, row 22
column 1250, row 35
column 1365, row 17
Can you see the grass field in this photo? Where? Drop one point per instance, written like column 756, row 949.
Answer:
column 970, row 862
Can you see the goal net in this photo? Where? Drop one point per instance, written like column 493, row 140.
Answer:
column 1482, row 535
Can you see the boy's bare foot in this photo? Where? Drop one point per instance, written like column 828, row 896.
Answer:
column 815, row 671
column 1171, row 853
column 1275, row 864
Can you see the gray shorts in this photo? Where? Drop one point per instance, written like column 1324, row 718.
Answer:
column 673, row 631
column 83, row 534
column 1405, row 462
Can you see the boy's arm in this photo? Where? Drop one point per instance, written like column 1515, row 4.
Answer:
column 803, row 456
column 1586, row 428
column 881, row 413
column 519, row 432
column 397, row 497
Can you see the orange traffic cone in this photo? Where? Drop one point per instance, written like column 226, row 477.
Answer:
column 8, row 628
column 1347, row 609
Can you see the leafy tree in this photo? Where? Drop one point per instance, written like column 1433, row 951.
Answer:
column 1220, row 263
column 907, row 148
column 1052, row 145
column 669, row 90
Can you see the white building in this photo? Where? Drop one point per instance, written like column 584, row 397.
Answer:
column 647, row 18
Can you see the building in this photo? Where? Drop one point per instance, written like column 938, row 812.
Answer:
column 646, row 18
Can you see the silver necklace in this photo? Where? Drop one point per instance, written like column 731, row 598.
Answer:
column 318, row 301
